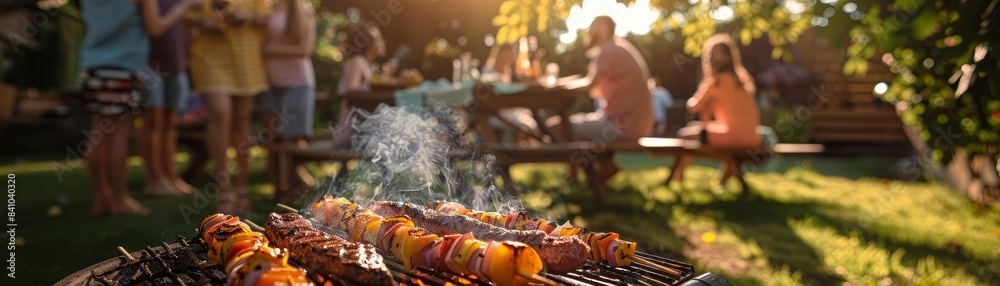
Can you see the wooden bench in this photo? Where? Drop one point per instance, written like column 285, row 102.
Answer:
column 739, row 158
column 857, row 126
column 581, row 154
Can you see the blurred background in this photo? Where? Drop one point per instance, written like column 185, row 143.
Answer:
column 903, row 94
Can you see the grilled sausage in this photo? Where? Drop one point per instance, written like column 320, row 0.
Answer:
column 560, row 254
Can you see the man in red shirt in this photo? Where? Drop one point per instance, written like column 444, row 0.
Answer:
column 618, row 76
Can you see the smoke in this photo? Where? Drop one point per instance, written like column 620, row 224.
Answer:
column 408, row 157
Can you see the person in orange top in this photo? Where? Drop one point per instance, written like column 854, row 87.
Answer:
column 728, row 114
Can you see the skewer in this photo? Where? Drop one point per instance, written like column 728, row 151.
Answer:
column 127, row 255
column 536, row 277
column 287, row 208
column 654, row 265
column 253, row 226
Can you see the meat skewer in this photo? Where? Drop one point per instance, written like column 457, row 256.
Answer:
column 325, row 253
column 504, row 263
column 245, row 254
column 560, row 254
column 605, row 247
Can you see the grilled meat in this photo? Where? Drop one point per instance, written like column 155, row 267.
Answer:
column 560, row 254
column 326, row 253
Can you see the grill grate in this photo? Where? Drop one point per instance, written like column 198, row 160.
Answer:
column 187, row 263
column 180, row 263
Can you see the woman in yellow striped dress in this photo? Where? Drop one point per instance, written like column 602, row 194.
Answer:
column 227, row 69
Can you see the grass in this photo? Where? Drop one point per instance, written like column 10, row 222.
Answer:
column 800, row 227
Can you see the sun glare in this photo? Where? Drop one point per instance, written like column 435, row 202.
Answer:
column 637, row 18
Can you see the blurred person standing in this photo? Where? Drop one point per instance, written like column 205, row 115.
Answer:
column 116, row 80
column 158, row 137
column 287, row 108
column 227, row 68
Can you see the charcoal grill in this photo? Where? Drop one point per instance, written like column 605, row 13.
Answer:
column 185, row 262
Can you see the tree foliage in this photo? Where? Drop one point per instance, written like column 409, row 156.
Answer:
column 943, row 52
column 944, row 56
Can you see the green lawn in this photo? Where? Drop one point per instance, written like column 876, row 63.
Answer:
column 801, row 227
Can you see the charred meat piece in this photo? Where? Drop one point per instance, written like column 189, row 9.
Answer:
column 326, row 253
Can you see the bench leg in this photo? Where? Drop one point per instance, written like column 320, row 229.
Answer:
column 282, row 186
column 508, row 181
column 597, row 184
column 573, row 175
column 676, row 167
column 727, row 171
column 340, row 176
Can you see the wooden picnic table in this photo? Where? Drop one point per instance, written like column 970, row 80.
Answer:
column 539, row 97
column 557, row 98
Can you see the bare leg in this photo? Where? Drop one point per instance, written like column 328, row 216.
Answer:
column 169, row 149
column 98, row 169
column 242, row 113
column 145, row 141
column 118, row 168
column 151, row 144
column 217, row 135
